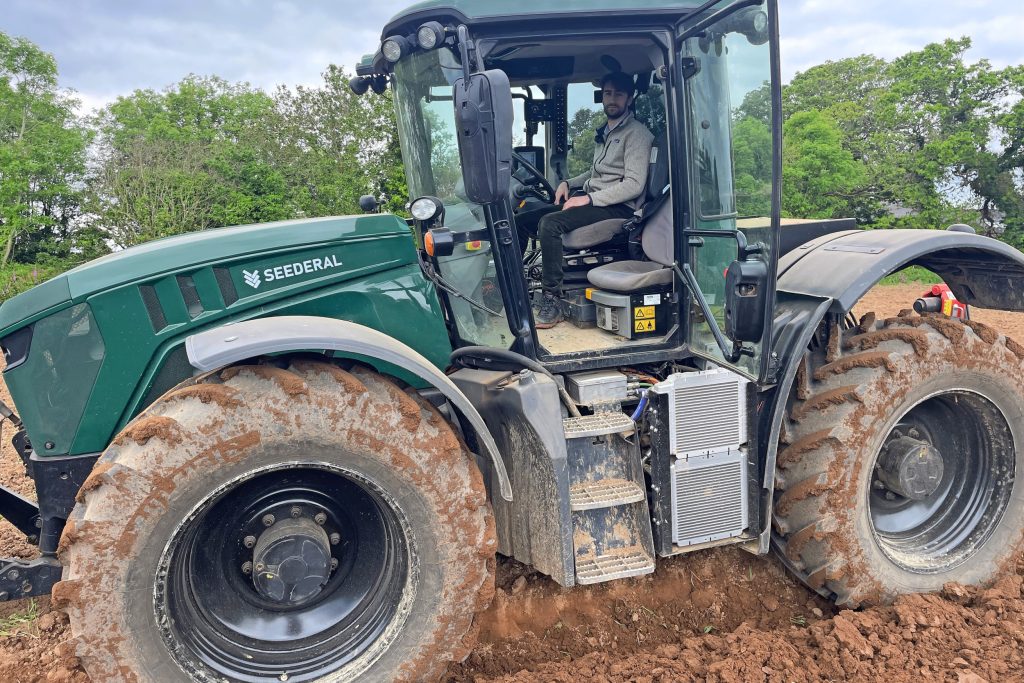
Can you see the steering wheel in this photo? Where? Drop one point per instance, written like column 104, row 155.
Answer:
column 534, row 183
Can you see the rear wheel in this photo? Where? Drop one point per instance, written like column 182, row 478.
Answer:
column 903, row 462
column 279, row 524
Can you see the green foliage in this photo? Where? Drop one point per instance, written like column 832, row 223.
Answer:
column 42, row 156
column 819, row 174
column 20, row 623
column 912, row 275
column 581, row 139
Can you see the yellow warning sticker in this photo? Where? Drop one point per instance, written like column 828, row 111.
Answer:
column 644, row 326
column 643, row 313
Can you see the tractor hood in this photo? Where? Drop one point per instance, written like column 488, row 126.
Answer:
column 174, row 254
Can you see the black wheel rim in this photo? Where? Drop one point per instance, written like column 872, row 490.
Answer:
column 216, row 624
column 950, row 525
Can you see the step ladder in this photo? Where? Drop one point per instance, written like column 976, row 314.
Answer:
column 611, row 524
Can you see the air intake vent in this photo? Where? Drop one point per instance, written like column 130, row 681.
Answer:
column 709, row 498
column 188, row 292
column 227, row 287
column 708, row 412
column 153, row 307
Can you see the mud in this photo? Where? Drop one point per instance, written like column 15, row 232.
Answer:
column 719, row 615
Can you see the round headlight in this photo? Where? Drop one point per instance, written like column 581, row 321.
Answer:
column 430, row 35
column 394, row 47
column 425, row 208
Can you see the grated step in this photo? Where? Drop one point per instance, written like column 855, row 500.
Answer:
column 619, row 564
column 597, row 425
column 604, row 494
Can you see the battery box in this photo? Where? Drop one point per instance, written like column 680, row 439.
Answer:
column 633, row 316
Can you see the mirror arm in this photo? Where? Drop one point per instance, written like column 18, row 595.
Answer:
column 685, row 275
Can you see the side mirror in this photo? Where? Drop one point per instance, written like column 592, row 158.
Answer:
column 368, row 203
column 483, row 115
column 746, row 288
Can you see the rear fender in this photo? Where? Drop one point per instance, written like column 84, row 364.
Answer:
column 236, row 342
column 829, row 275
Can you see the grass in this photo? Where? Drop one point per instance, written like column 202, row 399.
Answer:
column 15, row 624
column 912, row 275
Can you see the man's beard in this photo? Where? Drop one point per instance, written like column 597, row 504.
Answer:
column 613, row 111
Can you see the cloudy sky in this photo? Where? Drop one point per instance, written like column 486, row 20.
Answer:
column 106, row 48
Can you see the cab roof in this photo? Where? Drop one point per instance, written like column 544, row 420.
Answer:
column 477, row 12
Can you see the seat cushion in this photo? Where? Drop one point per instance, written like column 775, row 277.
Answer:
column 593, row 234
column 630, row 276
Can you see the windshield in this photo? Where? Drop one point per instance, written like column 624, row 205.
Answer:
column 426, row 123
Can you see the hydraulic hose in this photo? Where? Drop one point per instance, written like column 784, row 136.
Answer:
column 483, row 355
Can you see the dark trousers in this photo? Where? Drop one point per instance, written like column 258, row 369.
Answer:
column 550, row 223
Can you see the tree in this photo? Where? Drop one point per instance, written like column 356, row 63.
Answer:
column 581, row 139
column 196, row 156
column 42, row 156
column 818, row 173
column 336, row 146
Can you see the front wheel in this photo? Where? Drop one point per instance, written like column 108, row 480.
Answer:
column 903, row 467
column 298, row 524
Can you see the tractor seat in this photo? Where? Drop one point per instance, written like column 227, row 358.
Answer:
column 657, row 241
column 595, row 234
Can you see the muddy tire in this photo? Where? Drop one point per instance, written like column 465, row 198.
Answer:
column 291, row 470
column 901, row 466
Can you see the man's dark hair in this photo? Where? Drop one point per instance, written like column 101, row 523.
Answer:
column 619, row 81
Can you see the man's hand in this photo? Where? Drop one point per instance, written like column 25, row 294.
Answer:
column 562, row 193
column 582, row 200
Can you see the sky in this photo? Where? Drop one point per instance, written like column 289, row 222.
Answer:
column 106, row 48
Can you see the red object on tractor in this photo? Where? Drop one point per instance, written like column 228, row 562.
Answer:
column 940, row 299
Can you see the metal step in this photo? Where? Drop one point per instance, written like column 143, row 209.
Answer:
column 619, row 564
column 605, row 493
column 597, row 425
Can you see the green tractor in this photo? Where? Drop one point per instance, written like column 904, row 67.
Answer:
column 293, row 451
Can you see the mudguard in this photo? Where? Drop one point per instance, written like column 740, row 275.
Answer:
column 236, row 342
column 843, row 266
column 829, row 275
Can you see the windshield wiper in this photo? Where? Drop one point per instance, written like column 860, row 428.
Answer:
column 428, row 269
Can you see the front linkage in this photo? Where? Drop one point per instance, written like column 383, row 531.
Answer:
column 57, row 482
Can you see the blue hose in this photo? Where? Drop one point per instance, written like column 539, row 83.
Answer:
column 640, row 408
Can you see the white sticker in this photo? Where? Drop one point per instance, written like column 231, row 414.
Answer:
column 652, row 299
column 654, row 155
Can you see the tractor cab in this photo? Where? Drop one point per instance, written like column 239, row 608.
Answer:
column 691, row 270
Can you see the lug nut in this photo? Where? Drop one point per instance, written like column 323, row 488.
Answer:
column 4, row 595
column 260, row 567
column 247, row 568
column 296, row 511
column 13, row 574
column 268, row 520
column 249, row 541
column 334, row 563
column 320, row 518
column 335, row 538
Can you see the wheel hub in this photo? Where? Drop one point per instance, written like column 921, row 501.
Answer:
column 910, row 467
column 292, row 561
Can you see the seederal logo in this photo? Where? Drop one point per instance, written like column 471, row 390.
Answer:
column 252, row 279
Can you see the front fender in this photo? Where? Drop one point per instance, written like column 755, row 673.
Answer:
column 236, row 342
column 843, row 266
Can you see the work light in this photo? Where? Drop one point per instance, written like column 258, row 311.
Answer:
column 394, row 48
column 426, row 208
column 430, row 35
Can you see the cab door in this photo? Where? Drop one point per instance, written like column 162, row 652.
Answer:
column 728, row 123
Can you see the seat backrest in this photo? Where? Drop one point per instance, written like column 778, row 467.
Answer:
column 658, row 237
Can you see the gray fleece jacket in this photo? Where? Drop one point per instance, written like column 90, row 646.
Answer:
column 619, row 173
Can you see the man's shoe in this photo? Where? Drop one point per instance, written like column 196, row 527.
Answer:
column 550, row 312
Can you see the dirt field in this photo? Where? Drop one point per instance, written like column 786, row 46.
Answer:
column 720, row 615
